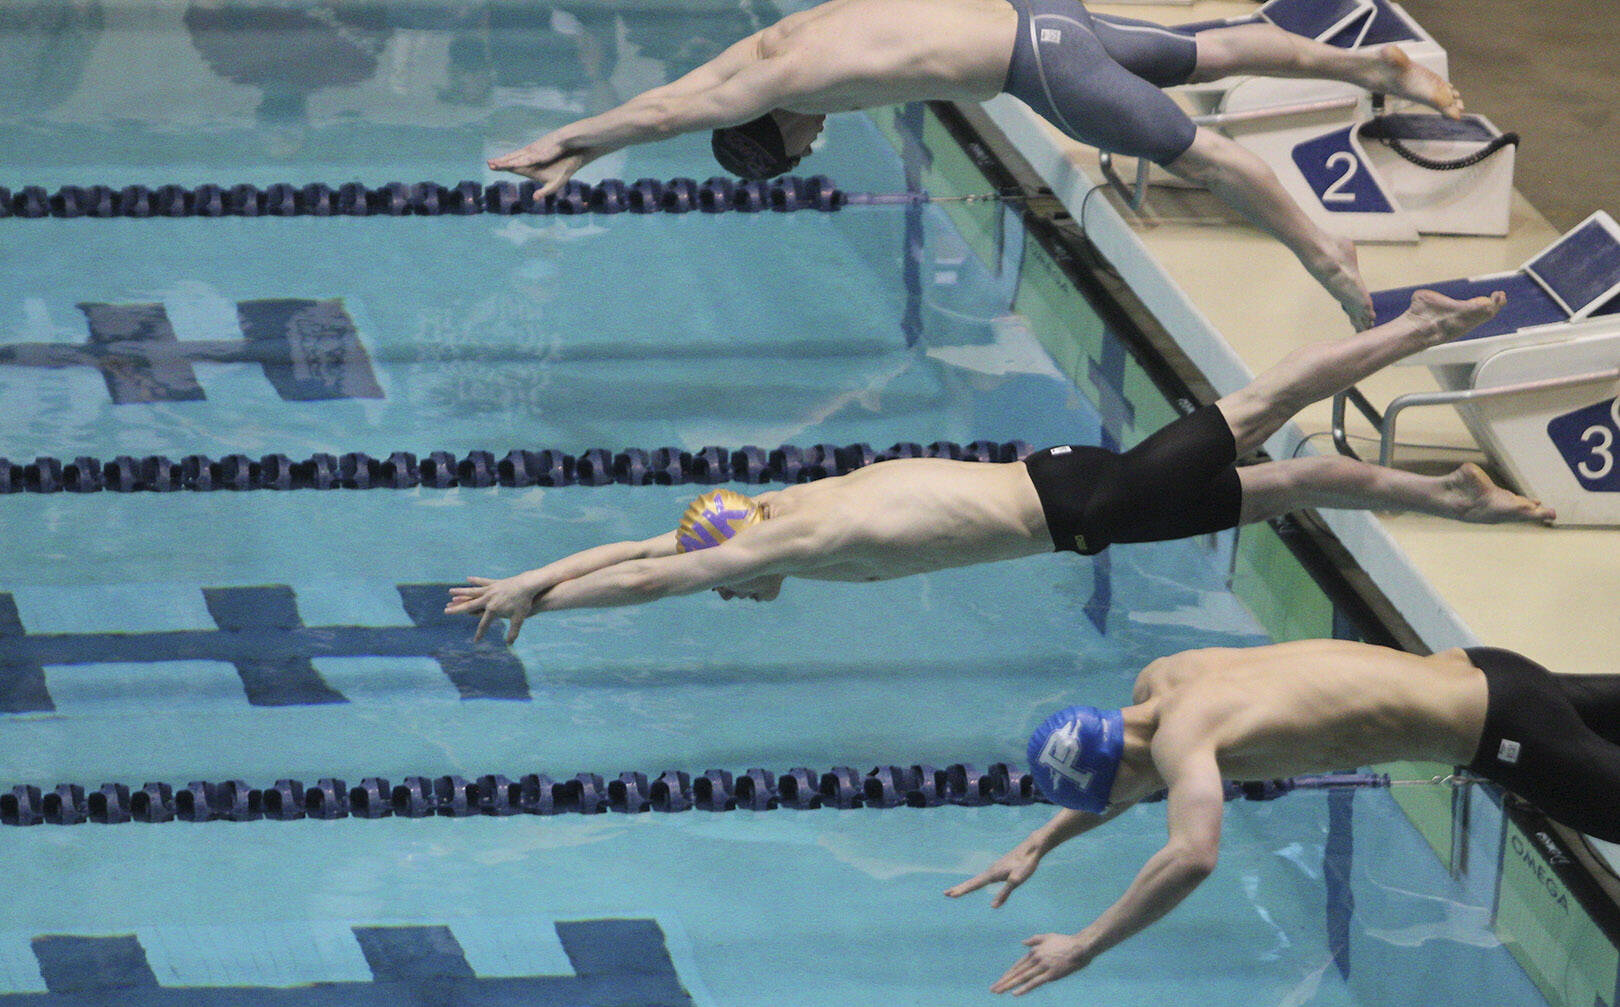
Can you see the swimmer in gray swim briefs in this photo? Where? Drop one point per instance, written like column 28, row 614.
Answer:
column 1095, row 77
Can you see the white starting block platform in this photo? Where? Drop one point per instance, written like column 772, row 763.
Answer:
column 1384, row 178
column 1538, row 385
column 1388, row 178
column 1347, row 24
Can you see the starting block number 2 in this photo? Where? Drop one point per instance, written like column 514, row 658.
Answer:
column 1589, row 440
column 1337, row 174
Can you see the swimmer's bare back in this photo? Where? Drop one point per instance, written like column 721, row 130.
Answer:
column 915, row 515
column 864, row 53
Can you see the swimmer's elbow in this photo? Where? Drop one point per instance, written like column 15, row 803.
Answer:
column 1200, row 864
column 1197, row 861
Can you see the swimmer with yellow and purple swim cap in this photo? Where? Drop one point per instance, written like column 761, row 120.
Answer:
column 916, row 515
column 715, row 517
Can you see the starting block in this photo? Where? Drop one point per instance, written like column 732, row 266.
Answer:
column 1391, row 177
column 1538, row 386
column 1345, row 24
column 1367, row 177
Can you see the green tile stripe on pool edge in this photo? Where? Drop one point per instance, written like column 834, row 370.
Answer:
column 1428, row 808
column 1539, row 919
column 1277, row 590
column 951, row 173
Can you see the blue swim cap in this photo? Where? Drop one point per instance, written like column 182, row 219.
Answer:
column 1074, row 755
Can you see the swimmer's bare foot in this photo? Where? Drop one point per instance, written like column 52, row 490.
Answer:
column 1437, row 318
column 1339, row 272
column 1476, row 499
column 1395, row 73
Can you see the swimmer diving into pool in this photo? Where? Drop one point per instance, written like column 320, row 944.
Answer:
column 1094, row 76
column 915, row 515
column 1202, row 716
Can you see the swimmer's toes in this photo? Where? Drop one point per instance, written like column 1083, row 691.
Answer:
column 1482, row 500
column 1410, row 80
column 1449, row 317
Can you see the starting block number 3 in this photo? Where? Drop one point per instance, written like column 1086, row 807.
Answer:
column 1589, row 439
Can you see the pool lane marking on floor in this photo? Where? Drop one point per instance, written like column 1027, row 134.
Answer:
column 310, row 350
column 615, row 963
column 262, row 635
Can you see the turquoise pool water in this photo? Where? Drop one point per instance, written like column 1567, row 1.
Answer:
column 568, row 333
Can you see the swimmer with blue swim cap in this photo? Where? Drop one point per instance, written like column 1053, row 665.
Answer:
column 1203, row 717
column 1074, row 756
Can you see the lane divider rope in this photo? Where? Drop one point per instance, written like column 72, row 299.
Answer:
column 425, row 199
column 915, row 786
column 665, row 466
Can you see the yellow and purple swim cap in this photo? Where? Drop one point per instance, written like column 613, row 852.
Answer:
column 714, row 517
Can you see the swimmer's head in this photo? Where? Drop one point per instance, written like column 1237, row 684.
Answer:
column 1074, row 755
column 768, row 146
column 715, row 517
column 764, row 588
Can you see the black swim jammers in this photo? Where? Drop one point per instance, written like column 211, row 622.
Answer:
column 1182, row 481
column 1552, row 739
column 1097, row 78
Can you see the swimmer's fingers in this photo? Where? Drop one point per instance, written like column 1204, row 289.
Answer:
column 465, row 599
column 1021, row 972
column 1006, row 890
column 483, row 624
column 540, row 151
column 515, row 624
column 1050, row 958
column 989, row 875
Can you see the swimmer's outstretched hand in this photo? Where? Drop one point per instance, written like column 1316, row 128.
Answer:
column 1050, row 958
column 511, row 598
column 549, row 161
column 1014, row 868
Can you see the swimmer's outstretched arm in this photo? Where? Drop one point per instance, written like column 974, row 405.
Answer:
column 1195, row 805
column 780, row 546
column 513, row 597
column 731, row 89
column 1017, row 864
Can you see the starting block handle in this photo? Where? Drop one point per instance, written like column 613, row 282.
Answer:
column 1364, row 406
column 1135, row 193
column 1276, row 111
column 1386, row 445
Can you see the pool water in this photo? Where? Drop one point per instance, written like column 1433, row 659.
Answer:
column 875, row 324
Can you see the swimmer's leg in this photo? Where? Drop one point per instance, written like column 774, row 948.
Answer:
column 1271, row 489
column 1560, row 763
column 1244, row 182
column 1317, row 371
column 1266, row 50
column 1597, row 699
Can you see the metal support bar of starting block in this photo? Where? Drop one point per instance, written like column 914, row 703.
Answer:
column 1263, row 112
column 1135, row 192
column 1386, row 424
